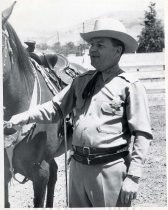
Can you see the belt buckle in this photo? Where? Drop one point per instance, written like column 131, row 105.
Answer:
column 86, row 150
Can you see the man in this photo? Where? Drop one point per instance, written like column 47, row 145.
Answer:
column 110, row 108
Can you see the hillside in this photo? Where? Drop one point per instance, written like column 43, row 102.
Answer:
column 131, row 19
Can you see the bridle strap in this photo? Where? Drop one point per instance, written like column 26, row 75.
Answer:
column 7, row 47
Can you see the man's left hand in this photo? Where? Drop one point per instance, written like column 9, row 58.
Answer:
column 129, row 189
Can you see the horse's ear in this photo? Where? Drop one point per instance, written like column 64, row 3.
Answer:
column 7, row 12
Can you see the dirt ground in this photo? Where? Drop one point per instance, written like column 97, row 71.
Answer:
column 152, row 190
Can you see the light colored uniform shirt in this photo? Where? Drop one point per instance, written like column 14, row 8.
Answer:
column 117, row 110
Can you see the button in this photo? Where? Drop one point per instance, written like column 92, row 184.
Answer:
column 90, row 114
column 94, row 99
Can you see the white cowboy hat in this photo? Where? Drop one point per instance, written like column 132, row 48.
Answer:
column 111, row 28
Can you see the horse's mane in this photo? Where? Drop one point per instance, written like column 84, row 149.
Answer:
column 21, row 54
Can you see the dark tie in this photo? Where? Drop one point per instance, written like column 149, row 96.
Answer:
column 90, row 87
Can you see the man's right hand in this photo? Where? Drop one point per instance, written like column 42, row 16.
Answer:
column 18, row 119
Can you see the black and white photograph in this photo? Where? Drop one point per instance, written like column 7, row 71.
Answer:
column 83, row 104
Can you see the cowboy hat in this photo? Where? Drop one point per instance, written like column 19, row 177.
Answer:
column 111, row 28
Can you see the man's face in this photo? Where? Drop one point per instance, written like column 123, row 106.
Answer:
column 103, row 53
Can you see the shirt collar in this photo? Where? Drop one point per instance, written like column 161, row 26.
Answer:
column 111, row 72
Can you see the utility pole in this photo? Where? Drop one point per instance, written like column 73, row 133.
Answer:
column 83, row 43
column 58, row 36
column 83, row 40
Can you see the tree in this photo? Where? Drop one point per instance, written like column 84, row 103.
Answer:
column 42, row 46
column 71, row 48
column 56, row 47
column 151, row 38
column 68, row 48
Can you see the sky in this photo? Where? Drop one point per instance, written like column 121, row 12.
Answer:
column 42, row 17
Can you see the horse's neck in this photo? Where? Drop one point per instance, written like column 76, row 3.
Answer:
column 17, row 95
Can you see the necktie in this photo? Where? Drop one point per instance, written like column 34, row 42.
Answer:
column 90, row 87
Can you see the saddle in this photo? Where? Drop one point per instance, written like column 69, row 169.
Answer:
column 67, row 71
column 48, row 60
column 35, row 57
column 59, row 66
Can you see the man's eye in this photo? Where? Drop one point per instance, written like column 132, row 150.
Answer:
column 100, row 45
column 96, row 45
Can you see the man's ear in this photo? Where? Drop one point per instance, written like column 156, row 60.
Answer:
column 119, row 49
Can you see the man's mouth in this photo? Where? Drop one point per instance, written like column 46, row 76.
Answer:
column 94, row 56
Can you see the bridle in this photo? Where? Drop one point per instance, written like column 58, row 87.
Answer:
column 6, row 48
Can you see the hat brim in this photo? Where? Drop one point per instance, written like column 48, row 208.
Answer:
column 130, row 43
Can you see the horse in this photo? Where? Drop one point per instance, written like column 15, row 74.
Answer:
column 38, row 144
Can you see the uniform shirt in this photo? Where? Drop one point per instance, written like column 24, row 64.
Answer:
column 116, row 111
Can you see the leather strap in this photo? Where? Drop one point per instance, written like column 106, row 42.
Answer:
column 99, row 159
column 85, row 151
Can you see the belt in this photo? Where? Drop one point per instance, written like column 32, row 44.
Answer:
column 97, row 158
column 85, row 151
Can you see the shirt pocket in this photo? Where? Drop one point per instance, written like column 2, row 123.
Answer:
column 114, row 107
column 111, row 115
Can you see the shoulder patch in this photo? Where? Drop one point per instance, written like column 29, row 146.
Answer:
column 128, row 77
